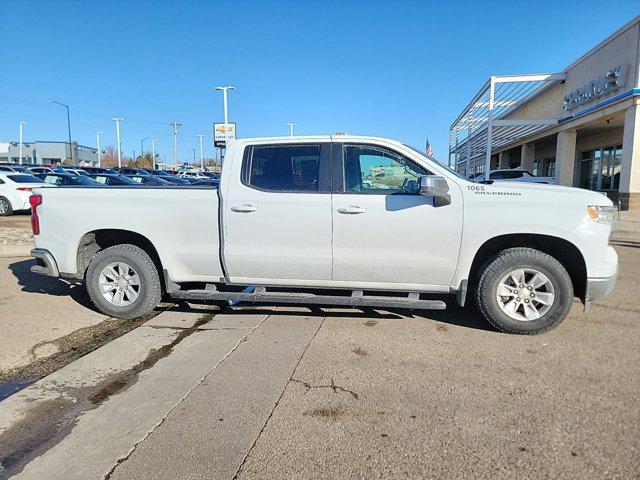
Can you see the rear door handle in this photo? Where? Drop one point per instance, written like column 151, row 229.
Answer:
column 352, row 210
column 244, row 208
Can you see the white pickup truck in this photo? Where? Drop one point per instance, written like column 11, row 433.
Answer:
column 333, row 220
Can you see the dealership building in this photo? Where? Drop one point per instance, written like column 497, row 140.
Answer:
column 581, row 125
column 47, row 153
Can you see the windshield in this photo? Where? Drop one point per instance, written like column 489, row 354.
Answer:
column 506, row 174
column 449, row 169
column 125, row 180
column 24, row 179
column 84, row 180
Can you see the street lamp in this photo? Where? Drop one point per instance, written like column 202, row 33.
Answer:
column 291, row 125
column 68, row 127
column 99, row 152
column 225, row 91
column 153, row 152
column 201, row 154
column 22, row 124
column 118, row 120
column 142, row 147
column 175, row 126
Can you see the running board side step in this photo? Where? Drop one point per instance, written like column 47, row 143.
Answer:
column 261, row 295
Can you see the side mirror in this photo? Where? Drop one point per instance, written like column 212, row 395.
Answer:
column 433, row 186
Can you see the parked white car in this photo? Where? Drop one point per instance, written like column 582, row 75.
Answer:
column 41, row 170
column 15, row 190
column 192, row 174
column 333, row 220
column 513, row 175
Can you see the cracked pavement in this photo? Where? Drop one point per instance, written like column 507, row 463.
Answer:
column 264, row 392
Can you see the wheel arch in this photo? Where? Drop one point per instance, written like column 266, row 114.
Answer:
column 567, row 253
column 96, row 240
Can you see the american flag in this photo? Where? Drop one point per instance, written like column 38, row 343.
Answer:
column 428, row 150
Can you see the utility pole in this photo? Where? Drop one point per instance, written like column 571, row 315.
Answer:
column 68, row 127
column 99, row 151
column 201, row 154
column 175, row 126
column 117, row 120
column 153, row 152
column 22, row 124
column 291, row 125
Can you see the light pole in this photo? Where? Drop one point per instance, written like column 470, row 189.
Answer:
column 99, row 151
column 175, row 126
column 201, row 154
column 225, row 91
column 22, row 124
column 118, row 120
column 153, row 152
column 68, row 127
column 291, row 125
column 142, row 147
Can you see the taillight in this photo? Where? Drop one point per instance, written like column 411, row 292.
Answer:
column 34, row 201
column 24, row 189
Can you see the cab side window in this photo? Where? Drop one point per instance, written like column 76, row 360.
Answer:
column 378, row 170
column 285, row 168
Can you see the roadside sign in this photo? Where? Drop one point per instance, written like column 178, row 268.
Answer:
column 219, row 134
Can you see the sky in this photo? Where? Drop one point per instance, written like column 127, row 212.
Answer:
column 400, row 69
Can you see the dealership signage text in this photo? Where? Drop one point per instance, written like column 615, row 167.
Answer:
column 613, row 80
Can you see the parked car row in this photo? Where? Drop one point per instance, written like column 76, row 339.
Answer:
column 16, row 181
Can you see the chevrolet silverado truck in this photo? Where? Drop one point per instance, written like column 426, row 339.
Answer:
column 333, row 220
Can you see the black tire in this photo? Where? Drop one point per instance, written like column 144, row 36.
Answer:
column 495, row 269
column 7, row 204
column 150, row 291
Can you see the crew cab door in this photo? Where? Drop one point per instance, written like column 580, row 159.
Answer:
column 277, row 215
column 384, row 231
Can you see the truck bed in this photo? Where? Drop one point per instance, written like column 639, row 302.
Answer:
column 181, row 223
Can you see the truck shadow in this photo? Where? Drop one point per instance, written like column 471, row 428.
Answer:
column 34, row 283
column 467, row 317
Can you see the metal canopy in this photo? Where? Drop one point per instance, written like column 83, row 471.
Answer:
column 483, row 126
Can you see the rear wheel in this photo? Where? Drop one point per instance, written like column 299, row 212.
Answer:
column 123, row 282
column 525, row 291
column 5, row 207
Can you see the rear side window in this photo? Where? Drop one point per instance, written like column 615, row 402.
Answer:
column 24, row 179
column 284, row 168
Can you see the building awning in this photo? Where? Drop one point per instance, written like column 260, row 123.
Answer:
column 483, row 126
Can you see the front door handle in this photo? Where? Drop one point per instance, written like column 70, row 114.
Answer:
column 244, row 208
column 352, row 210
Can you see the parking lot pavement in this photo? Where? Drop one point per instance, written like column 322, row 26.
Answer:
column 37, row 314
column 294, row 393
column 16, row 238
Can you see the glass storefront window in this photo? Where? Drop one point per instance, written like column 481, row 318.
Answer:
column 600, row 168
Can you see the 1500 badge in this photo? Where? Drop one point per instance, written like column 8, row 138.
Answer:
column 482, row 190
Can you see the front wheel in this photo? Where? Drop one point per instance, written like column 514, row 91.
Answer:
column 123, row 282
column 525, row 291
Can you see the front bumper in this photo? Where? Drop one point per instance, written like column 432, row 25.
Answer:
column 46, row 264
column 600, row 287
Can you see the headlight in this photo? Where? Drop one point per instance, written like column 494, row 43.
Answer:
column 602, row 214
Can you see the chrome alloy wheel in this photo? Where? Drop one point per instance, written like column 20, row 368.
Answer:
column 119, row 284
column 4, row 206
column 525, row 294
